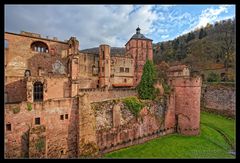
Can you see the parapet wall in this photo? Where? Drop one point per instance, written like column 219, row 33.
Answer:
column 117, row 127
column 97, row 95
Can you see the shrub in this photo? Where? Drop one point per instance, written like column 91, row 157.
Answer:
column 213, row 77
column 40, row 144
column 16, row 110
column 167, row 88
column 133, row 104
column 29, row 106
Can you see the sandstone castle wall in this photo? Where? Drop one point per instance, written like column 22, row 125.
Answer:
column 220, row 99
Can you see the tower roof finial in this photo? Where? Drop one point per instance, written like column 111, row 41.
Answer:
column 138, row 30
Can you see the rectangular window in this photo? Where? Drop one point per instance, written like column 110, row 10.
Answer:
column 66, row 116
column 103, row 54
column 125, row 80
column 61, row 117
column 84, row 58
column 121, row 69
column 102, row 69
column 37, row 121
column 8, row 127
column 126, row 69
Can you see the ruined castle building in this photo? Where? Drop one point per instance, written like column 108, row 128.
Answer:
column 140, row 48
column 59, row 69
column 50, row 86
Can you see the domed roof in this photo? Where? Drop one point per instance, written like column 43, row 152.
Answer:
column 138, row 35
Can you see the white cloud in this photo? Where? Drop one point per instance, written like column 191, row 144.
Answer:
column 209, row 15
column 164, row 36
column 91, row 24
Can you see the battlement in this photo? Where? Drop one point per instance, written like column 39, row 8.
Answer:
column 30, row 34
column 186, row 81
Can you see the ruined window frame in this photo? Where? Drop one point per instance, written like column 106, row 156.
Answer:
column 62, row 117
column 121, row 69
column 37, row 121
column 127, row 70
column 27, row 73
column 66, row 116
column 103, row 54
column 8, row 127
column 39, row 46
column 38, row 92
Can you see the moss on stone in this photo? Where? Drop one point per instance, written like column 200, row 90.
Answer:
column 40, row 144
column 29, row 106
column 15, row 110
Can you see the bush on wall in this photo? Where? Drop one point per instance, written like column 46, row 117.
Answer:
column 133, row 104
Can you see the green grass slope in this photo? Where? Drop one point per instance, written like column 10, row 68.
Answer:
column 215, row 141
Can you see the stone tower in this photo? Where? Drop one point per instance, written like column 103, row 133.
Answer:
column 140, row 48
column 187, row 92
column 73, row 64
column 104, row 66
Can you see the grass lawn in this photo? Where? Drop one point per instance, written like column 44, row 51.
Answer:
column 215, row 141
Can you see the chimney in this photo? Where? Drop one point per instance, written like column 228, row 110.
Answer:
column 55, row 38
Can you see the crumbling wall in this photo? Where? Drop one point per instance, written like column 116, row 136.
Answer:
column 21, row 56
column 37, row 142
column 117, row 127
column 15, row 88
column 87, row 144
column 60, row 119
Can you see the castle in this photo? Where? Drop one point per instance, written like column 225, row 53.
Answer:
column 53, row 93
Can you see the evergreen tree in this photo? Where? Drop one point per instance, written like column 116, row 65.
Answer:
column 146, row 88
column 202, row 33
column 190, row 36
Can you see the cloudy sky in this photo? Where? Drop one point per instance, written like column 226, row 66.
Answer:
column 112, row 24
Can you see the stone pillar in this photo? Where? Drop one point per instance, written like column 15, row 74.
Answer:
column 116, row 115
column 170, row 120
column 87, row 143
column 29, row 91
column 74, row 89
column 37, row 142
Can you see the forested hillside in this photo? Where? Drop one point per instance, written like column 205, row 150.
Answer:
column 211, row 47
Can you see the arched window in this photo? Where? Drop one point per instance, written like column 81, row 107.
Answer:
column 27, row 73
column 38, row 91
column 39, row 46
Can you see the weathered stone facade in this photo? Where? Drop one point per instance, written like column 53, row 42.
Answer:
column 220, row 99
column 51, row 88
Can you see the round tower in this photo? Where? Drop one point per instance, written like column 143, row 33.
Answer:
column 187, row 104
column 104, row 66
